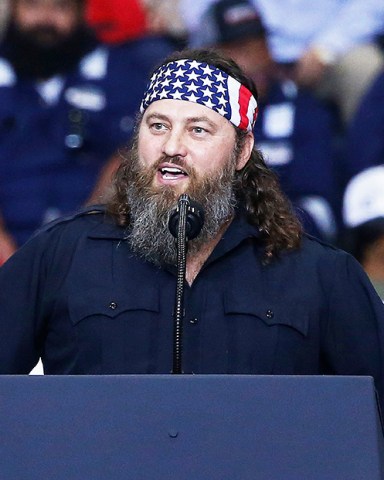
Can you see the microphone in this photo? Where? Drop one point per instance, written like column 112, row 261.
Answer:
column 184, row 223
column 194, row 218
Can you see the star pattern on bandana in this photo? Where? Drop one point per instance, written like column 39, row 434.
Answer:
column 205, row 84
column 193, row 81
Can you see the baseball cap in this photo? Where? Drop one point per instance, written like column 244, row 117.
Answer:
column 364, row 197
column 228, row 21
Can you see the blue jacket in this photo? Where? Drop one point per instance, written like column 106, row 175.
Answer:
column 296, row 133
column 55, row 139
column 365, row 135
column 77, row 296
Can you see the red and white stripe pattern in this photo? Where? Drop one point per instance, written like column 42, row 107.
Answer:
column 204, row 84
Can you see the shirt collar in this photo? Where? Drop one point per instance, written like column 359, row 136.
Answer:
column 108, row 229
column 238, row 231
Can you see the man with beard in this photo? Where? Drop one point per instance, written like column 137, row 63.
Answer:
column 94, row 293
column 67, row 103
column 46, row 38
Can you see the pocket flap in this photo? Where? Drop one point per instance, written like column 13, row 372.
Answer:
column 112, row 303
column 269, row 311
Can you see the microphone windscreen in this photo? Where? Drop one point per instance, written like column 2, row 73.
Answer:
column 194, row 220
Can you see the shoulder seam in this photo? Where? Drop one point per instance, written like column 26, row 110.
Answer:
column 91, row 210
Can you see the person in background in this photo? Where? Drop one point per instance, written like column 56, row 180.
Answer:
column 362, row 147
column 364, row 138
column 116, row 21
column 330, row 46
column 7, row 244
column 363, row 214
column 3, row 16
column 67, row 103
column 164, row 17
column 94, row 293
column 295, row 130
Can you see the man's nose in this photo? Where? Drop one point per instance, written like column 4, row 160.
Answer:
column 175, row 144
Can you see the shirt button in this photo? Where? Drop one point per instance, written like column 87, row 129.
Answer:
column 113, row 305
column 269, row 314
column 193, row 321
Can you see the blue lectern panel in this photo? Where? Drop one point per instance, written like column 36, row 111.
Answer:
column 189, row 427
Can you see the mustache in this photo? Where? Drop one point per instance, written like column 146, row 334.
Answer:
column 43, row 31
column 175, row 160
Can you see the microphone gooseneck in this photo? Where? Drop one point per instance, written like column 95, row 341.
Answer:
column 185, row 223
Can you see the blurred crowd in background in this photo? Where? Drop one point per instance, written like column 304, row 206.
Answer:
column 72, row 73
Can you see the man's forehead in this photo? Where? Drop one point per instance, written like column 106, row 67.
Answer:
column 183, row 110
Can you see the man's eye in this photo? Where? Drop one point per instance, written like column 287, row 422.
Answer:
column 158, row 126
column 199, row 130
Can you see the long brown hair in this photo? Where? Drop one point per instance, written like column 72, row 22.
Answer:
column 256, row 186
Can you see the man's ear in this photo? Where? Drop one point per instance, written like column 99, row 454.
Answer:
column 246, row 151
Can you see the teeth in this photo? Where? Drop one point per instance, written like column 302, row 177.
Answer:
column 172, row 171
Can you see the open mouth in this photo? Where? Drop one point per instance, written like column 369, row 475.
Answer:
column 172, row 173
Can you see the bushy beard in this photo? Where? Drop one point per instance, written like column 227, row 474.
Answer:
column 42, row 52
column 150, row 208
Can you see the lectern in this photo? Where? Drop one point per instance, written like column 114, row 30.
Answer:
column 189, row 427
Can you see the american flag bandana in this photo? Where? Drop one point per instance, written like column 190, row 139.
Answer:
column 204, row 84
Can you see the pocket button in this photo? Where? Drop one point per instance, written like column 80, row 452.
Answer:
column 113, row 305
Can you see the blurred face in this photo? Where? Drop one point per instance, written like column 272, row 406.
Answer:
column 254, row 58
column 48, row 21
column 373, row 261
column 182, row 141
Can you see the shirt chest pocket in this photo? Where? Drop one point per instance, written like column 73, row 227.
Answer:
column 267, row 313
column 114, row 330
column 261, row 332
column 98, row 304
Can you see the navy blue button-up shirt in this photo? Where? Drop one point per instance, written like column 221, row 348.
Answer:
column 77, row 296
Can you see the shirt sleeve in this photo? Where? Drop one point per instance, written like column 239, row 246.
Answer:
column 354, row 330
column 357, row 22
